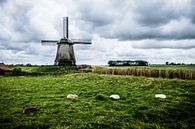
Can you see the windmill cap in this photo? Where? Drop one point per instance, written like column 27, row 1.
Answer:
column 65, row 40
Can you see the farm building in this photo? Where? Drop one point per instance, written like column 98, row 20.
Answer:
column 128, row 63
column 4, row 69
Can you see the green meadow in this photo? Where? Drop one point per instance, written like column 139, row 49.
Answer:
column 138, row 108
column 44, row 69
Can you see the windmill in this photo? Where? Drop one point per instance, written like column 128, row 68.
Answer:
column 65, row 52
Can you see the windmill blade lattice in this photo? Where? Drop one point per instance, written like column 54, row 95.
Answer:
column 81, row 41
column 49, row 42
column 65, row 27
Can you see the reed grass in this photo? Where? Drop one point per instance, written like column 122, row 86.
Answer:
column 147, row 72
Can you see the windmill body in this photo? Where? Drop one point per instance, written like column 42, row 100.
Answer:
column 65, row 52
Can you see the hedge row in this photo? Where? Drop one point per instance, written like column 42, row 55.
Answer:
column 19, row 72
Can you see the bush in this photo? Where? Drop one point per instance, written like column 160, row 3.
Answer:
column 17, row 72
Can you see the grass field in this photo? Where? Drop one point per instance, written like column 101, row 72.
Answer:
column 32, row 69
column 137, row 108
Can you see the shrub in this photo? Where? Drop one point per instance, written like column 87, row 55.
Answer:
column 17, row 72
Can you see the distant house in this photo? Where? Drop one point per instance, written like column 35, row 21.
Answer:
column 4, row 69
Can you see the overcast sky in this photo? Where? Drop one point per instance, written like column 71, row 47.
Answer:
column 153, row 30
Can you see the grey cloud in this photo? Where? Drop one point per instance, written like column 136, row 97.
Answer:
column 139, row 19
column 95, row 21
column 3, row 1
column 170, row 44
column 178, row 30
column 161, row 12
column 100, row 14
column 10, row 46
column 153, row 14
column 120, row 29
column 192, row 8
column 153, row 35
column 18, row 25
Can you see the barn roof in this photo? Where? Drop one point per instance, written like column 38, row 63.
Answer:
column 4, row 67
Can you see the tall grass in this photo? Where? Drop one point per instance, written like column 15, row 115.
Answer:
column 180, row 74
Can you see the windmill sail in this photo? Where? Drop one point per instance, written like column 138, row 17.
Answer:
column 49, row 42
column 81, row 41
column 65, row 27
